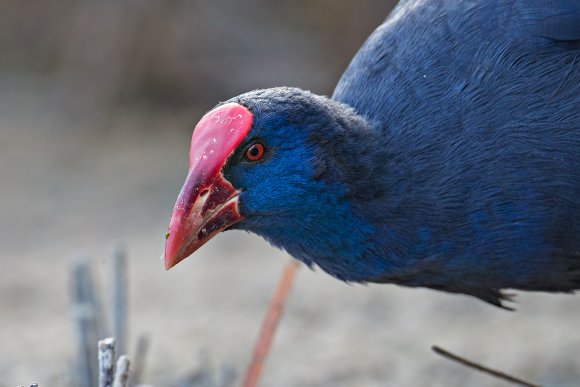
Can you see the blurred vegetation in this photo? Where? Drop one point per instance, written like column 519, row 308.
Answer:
column 174, row 54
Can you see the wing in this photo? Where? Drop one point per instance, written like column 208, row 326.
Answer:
column 477, row 104
column 426, row 45
column 557, row 20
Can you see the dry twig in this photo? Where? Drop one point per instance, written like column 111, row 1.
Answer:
column 264, row 341
column 481, row 368
column 139, row 359
column 119, row 297
column 122, row 372
column 85, row 311
column 106, row 362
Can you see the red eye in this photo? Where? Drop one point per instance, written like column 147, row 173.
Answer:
column 255, row 152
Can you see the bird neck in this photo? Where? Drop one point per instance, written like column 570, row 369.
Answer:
column 324, row 231
column 330, row 227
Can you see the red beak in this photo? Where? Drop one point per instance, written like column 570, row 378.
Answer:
column 208, row 203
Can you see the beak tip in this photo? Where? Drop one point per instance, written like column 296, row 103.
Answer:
column 172, row 256
column 169, row 260
column 168, row 265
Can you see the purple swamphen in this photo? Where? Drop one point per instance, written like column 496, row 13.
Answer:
column 448, row 156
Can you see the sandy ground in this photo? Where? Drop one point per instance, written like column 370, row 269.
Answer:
column 66, row 192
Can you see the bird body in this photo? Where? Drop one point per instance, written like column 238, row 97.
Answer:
column 448, row 156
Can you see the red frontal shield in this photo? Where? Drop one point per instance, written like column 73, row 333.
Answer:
column 208, row 203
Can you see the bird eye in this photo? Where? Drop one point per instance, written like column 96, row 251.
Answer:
column 255, row 152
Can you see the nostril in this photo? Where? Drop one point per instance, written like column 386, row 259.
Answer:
column 204, row 193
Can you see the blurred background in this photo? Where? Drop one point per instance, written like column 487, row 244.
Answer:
column 97, row 103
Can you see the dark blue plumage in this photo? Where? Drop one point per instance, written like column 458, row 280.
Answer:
column 448, row 156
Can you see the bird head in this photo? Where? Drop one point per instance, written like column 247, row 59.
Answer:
column 260, row 162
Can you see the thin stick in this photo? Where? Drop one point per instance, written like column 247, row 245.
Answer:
column 264, row 341
column 119, row 297
column 139, row 359
column 83, row 310
column 122, row 372
column 106, row 362
column 479, row 367
column 91, row 297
